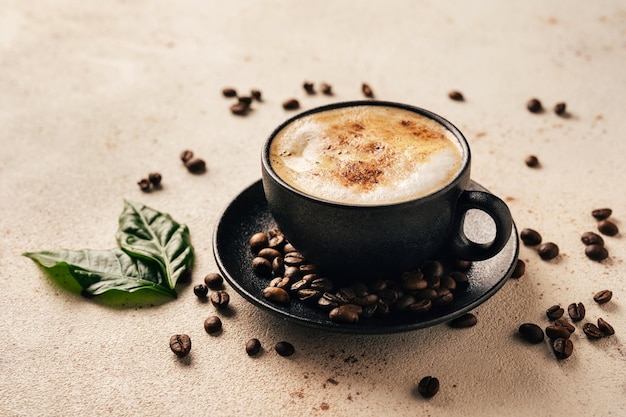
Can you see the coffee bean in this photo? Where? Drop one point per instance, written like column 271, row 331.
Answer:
column 240, row 108
column 229, row 92
column 244, row 100
column 562, row 348
column 531, row 333
column 448, row 282
column 591, row 238
column 520, row 268
column 196, row 165
column 144, row 184
column 213, row 280
column 560, row 108
column 288, row 247
column 462, row 265
column 258, row 241
column 422, row 306
column 253, row 346
column 306, row 268
column 413, row 281
column 432, row 269
column 603, row 296
column 293, row 259
column 278, row 266
column 200, row 290
column 327, row 89
column 576, row 311
column 530, row 237
column 596, row 252
column 555, row 332
column 277, row 239
column 212, row 324
column 444, row 297
column 308, row 87
column 284, row 348
column 531, row 161
column 601, row 213
column 366, row 300
column 321, row 284
column 262, row 267
column 328, row 301
column 309, row 295
column 462, row 281
column 291, row 104
column 534, row 106
column 180, row 345
column 608, row 228
column 464, row 321
column 456, row 95
column 367, row 90
column 403, row 302
column 155, row 179
column 428, row 386
column 592, row 331
column 220, row 299
column 565, row 324
column 186, row 155
column 256, row 94
column 346, row 313
column 548, row 250
column 346, row 294
column 276, row 295
column 303, row 283
column 281, row 282
column 605, row 327
column 555, row 312
column 269, row 253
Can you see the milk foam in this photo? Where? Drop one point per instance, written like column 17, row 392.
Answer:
column 366, row 155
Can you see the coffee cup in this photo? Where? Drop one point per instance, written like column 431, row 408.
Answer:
column 370, row 188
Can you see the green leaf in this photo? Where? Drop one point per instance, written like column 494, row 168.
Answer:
column 98, row 271
column 149, row 234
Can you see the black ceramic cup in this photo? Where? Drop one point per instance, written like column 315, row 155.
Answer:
column 374, row 240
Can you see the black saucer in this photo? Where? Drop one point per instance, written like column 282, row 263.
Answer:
column 248, row 214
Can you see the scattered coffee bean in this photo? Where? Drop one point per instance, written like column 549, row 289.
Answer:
column 284, row 348
column 555, row 312
column 144, row 184
column 186, row 156
column 548, row 250
column 220, row 299
column 603, row 296
column 276, row 295
column 326, row 89
column 200, row 290
column 591, row 238
column 530, row 237
column 456, row 95
column 155, row 179
column 346, row 313
column 367, row 90
column 464, row 321
column 212, row 324
column 308, row 87
column 214, row 281
column 256, row 94
column 244, row 100
column 196, row 165
column 253, row 346
column 262, row 267
column 560, row 108
column 566, row 324
column 291, row 104
column 534, row 106
column 180, row 345
column 240, row 109
column 258, row 241
column 601, row 213
column 428, row 386
column 596, row 252
column 229, row 92
column 608, row 228
column 555, row 332
column 531, row 161
column 562, row 348
column 576, row 311
column 520, row 268
column 592, row 331
column 531, row 333
column 605, row 327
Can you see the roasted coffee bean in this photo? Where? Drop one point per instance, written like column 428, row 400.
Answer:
column 288, row 248
column 555, row 312
column 576, row 311
column 256, row 94
column 462, row 281
column 548, row 250
column 346, row 294
column 269, row 253
column 277, row 241
column 240, row 108
column 155, row 179
column 463, row 321
column 560, row 108
column 180, row 345
column 605, row 327
column 212, row 324
column 530, row 237
column 284, row 348
column 462, row 265
column 566, row 324
column 428, row 386
column 214, row 280
column 291, row 104
column 531, row 161
column 303, row 283
column 262, row 267
column 281, row 282
column 608, row 228
column 144, row 184
column 293, row 273
column 306, row 269
column 426, row 294
column 591, row 238
column 601, row 213
column 245, row 100
column 276, row 295
column 562, row 348
column 378, row 285
column 196, row 165
column 346, row 313
column 253, row 346
column 309, row 295
column 520, row 268
column 326, row 89
column 308, row 87
column 278, row 266
column 382, row 307
column 531, row 333
column 444, row 297
column 367, row 90
column 186, row 156
column 369, row 310
column 328, row 301
column 413, row 281
column 220, row 299
column 596, row 252
column 258, row 241
column 403, row 303
column 229, row 92
column 432, row 269
column 366, row 300
column 592, row 331
column 294, row 259
column 360, row 289
column 603, row 296
column 200, row 290
column 456, row 95
column 555, row 332
column 534, row 106
column 389, row 295
column 448, row 282
column 420, row 306
column 434, row 283
column 321, row 284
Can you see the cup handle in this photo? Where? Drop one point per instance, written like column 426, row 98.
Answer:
column 460, row 245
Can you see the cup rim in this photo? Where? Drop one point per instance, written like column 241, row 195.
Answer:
column 466, row 155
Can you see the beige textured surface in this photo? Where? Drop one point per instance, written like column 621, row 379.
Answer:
column 94, row 95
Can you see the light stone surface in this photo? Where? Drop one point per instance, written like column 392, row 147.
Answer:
column 94, row 95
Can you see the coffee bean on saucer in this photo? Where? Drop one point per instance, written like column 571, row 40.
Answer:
column 596, row 252
column 531, row 333
column 213, row 280
column 555, row 312
column 531, row 161
column 592, row 331
column 562, row 348
column 262, row 267
column 462, row 281
column 534, row 106
column 601, row 213
column 284, row 348
column 212, row 324
column 258, row 241
column 603, row 296
column 422, row 306
column 253, row 346
column 269, row 253
column 520, row 268
column 456, row 95
column 608, row 228
column 560, row 108
column 464, row 321
column 180, row 344
column 462, row 265
column 276, row 295
column 428, row 386
column 576, row 311
column 346, row 313
column 605, row 327
column 220, row 299
column 291, row 104
column 548, row 250
column 591, row 238
column 200, row 290
column 530, row 237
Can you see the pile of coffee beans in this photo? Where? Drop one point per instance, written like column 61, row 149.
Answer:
column 243, row 106
column 291, row 277
column 193, row 164
column 152, row 182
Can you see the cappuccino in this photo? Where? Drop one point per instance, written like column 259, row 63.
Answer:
column 366, row 155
